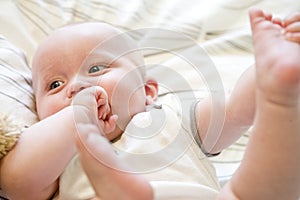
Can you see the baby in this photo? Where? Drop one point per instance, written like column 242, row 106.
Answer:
column 276, row 123
column 84, row 91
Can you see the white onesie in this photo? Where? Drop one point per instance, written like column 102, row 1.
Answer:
column 159, row 145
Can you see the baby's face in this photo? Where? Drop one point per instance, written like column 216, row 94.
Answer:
column 68, row 61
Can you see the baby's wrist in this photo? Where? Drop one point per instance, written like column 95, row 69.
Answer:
column 83, row 114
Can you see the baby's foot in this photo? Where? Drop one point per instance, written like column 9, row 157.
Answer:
column 277, row 61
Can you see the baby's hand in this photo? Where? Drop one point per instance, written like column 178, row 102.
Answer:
column 292, row 27
column 94, row 102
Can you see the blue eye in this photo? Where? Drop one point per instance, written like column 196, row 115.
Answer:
column 95, row 68
column 55, row 84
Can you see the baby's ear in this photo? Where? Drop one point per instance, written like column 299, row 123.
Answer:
column 151, row 88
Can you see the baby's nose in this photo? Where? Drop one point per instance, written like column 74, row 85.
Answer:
column 76, row 87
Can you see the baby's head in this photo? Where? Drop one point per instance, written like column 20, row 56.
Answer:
column 88, row 54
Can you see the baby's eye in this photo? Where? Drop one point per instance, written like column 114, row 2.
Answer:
column 55, row 84
column 96, row 68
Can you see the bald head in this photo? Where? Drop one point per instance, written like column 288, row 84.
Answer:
column 77, row 42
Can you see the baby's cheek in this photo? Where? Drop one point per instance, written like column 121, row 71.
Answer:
column 50, row 107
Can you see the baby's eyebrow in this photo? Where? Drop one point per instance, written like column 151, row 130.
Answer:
column 48, row 76
column 42, row 78
column 96, row 60
column 45, row 73
column 102, row 55
column 44, row 81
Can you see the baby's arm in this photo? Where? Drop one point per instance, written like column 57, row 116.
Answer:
column 31, row 169
column 108, row 175
column 239, row 111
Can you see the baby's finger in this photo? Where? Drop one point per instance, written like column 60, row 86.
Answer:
column 110, row 124
column 100, row 94
column 101, row 102
column 292, row 18
column 103, row 111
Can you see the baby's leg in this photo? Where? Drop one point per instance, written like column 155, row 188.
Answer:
column 271, row 166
